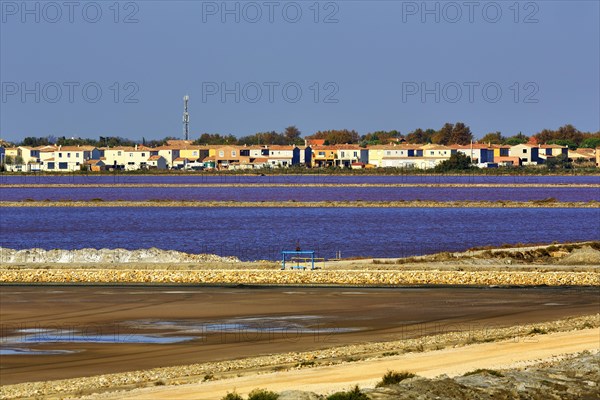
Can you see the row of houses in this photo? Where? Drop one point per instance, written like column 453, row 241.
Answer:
column 178, row 154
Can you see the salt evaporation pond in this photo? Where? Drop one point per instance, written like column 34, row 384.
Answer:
column 262, row 233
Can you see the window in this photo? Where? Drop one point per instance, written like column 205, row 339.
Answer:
column 68, row 155
column 143, row 154
column 63, row 165
column 233, row 153
column 194, row 153
column 322, row 153
column 432, row 152
column 221, row 153
column 524, row 151
column 355, row 154
column 59, row 155
column 388, row 153
column 119, row 153
column 343, row 154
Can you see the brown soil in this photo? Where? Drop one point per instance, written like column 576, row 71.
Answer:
column 311, row 318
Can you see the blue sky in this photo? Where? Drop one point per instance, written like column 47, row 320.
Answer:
column 100, row 69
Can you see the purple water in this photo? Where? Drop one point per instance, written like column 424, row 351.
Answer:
column 301, row 193
column 313, row 178
column 261, row 233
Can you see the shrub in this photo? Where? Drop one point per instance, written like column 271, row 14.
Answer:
column 354, row 394
column 394, row 378
column 262, row 394
column 232, row 396
column 485, row 371
column 536, row 331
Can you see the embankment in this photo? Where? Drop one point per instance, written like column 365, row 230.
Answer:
column 550, row 203
column 301, row 277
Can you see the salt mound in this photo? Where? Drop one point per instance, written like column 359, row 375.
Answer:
column 584, row 256
column 152, row 255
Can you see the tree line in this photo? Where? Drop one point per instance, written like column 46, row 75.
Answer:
column 457, row 133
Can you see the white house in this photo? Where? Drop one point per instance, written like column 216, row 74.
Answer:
column 283, row 156
column 348, row 154
column 65, row 158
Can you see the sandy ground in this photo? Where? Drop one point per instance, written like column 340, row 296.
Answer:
column 290, row 319
column 452, row 361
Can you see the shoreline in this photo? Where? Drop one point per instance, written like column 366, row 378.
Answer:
column 299, row 204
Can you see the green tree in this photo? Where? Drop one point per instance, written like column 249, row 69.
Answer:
column 419, row 136
column 559, row 162
column 292, row 135
column 342, row 136
column 35, row 141
column 381, row 137
column 591, row 143
column 215, row 138
column 493, row 138
column 519, row 138
column 18, row 160
column 444, row 135
column 564, row 142
column 8, row 160
column 461, row 134
column 457, row 162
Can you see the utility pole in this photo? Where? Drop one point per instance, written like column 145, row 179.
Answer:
column 186, row 118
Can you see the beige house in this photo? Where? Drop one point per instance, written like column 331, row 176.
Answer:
column 156, row 162
column 170, row 154
column 433, row 154
column 127, row 158
column 396, row 156
column 527, row 153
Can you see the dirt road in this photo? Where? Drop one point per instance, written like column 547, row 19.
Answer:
column 453, row 361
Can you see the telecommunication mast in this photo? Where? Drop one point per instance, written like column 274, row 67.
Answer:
column 186, row 118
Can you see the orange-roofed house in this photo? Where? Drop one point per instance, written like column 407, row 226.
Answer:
column 170, row 153
column 67, row 158
column 127, row 158
column 393, row 156
column 348, row 154
column 434, row 154
column 156, row 162
column 324, row 156
column 480, row 154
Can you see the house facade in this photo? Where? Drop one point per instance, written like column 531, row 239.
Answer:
column 126, row 158
column 66, row 158
column 528, row 154
column 480, row 154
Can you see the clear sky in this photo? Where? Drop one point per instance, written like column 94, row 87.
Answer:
column 104, row 68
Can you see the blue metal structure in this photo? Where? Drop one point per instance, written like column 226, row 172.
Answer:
column 298, row 253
